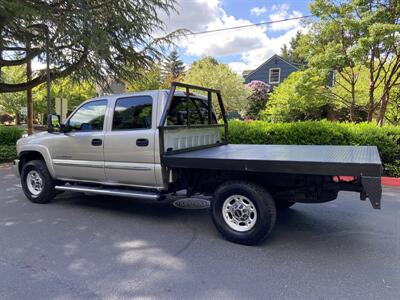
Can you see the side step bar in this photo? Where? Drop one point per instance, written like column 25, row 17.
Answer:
column 110, row 192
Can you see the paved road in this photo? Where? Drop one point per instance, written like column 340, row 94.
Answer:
column 89, row 247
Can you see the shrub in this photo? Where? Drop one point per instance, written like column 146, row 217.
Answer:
column 9, row 135
column 258, row 98
column 386, row 138
column 7, row 153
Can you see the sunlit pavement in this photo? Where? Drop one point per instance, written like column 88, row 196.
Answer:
column 88, row 247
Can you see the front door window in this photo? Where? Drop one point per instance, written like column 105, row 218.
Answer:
column 89, row 117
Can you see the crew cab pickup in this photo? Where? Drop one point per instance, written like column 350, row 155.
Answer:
column 153, row 144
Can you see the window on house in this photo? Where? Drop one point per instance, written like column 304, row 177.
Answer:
column 275, row 75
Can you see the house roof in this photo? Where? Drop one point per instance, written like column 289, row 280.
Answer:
column 246, row 72
column 268, row 60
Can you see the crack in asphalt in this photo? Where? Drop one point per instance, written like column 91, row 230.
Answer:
column 192, row 239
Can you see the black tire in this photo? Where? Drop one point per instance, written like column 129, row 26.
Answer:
column 282, row 205
column 263, row 203
column 47, row 192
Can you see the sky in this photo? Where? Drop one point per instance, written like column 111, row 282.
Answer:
column 241, row 49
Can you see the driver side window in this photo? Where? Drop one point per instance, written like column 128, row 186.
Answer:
column 89, row 117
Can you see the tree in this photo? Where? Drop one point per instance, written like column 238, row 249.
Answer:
column 88, row 39
column 393, row 110
column 149, row 79
column 205, row 72
column 302, row 96
column 350, row 34
column 328, row 44
column 258, row 98
column 379, row 49
column 12, row 102
column 66, row 88
column 173, row 68
column 291, row 52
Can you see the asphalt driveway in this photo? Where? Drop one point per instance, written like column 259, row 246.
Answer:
column 89, row 247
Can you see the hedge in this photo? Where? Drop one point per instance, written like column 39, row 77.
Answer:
column 7, row 153
column 9, row 135
column 386, row 138
column 8, row 138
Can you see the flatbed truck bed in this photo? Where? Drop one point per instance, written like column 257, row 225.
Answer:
column 293, row 159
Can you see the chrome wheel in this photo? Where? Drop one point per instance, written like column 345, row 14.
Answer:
column 239, row 213
column 34, row 182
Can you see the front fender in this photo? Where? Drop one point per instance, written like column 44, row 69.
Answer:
column 42, row 150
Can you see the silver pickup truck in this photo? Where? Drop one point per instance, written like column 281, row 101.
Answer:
column 153, row 144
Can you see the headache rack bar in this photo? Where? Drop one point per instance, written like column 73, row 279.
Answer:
column 162, row 125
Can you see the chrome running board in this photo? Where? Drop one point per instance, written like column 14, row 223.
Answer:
column 110, row 192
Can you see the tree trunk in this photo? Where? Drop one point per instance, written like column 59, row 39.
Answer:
column 353, row 102
column 17, row 119
column 382, row 109
column 371, row 105
column 29, row 104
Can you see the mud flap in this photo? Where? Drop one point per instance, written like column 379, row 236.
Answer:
column 373, row 189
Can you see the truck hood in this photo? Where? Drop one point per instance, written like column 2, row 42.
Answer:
column 37, row 138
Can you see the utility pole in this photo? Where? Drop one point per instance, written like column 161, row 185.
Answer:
column 29, row 103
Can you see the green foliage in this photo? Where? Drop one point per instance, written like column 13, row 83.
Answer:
column 172, row 68
column 12, row 102
column 349, row 34
column 393, row 111
column 302, row 96
column 93, row 40
column 291, row 53
column 207, row 72
column 149, row 79
column 7, row 153
column 66, row 88
column 257, row 100
column 386, row 138
column 9, row 135
column 393, row 168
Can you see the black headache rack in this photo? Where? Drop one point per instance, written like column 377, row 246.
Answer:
column 187, row 90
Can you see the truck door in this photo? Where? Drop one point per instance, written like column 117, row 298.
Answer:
column 129, row 144
column 78, row 154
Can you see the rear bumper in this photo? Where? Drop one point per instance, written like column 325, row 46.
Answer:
column 16, row 167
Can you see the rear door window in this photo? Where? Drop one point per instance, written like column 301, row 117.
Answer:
column 132, row 113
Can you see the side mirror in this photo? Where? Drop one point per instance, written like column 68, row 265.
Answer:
column 53, row 123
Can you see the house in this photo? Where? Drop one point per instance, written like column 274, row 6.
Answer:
column 273, row 71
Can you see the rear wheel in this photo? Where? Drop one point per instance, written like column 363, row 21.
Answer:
column 243, row 212
column 36, row 182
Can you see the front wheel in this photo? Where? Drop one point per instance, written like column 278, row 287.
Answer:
column 243, row 212
column 36, row 181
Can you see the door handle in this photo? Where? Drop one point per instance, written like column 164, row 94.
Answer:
column 97, row 142
column 142, row 142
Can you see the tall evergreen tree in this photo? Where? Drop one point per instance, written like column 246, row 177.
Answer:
column 290, row 52
column 91, row 40
column 173, row 67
